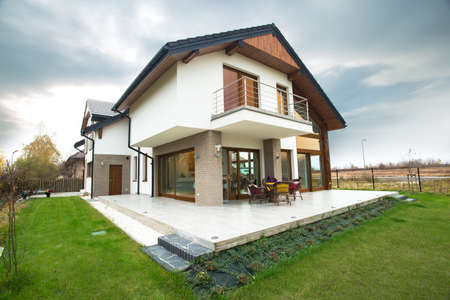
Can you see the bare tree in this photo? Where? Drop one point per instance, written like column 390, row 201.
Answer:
column 9, row 191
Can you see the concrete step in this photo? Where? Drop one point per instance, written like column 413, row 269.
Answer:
column 165, row 258
column 183, row 247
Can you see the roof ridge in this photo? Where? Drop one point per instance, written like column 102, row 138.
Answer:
column 211, row 35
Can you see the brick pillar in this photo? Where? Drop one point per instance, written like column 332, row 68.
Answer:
column 208, row 169
column 272, row 158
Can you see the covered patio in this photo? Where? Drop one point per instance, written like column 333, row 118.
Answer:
column 236, row 222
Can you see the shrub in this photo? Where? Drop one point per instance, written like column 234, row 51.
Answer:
column 255, row 266
column 243, row 279
column 274, row 256
column 211, row 265
column 202, row 278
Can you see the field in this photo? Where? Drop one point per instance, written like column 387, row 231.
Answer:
column 432, row 179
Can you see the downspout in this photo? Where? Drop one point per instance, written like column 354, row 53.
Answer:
column 138, row 170
column 92, row 172
column 137, row 150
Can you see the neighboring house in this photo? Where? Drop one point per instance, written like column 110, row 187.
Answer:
column 110, row 164
column 224, row 110
column 74, row 166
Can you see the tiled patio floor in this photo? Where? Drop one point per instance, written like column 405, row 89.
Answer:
column 236, row 222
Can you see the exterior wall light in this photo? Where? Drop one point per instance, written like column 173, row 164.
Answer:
column 218, row 149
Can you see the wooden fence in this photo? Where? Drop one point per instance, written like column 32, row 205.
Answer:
column 57, row 185
column 423, row 179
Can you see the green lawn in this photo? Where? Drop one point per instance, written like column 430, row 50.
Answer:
column 402, row 254
column 63, row 261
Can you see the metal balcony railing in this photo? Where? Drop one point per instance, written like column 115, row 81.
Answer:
column 250, row 93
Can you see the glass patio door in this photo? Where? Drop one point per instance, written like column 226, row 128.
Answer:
column 240, row 168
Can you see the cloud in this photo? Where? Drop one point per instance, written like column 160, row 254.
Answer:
column 382, row 63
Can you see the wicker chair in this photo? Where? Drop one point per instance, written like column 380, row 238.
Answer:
column 281, row 192
column 256, row 193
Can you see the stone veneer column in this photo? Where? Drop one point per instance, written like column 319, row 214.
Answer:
column 272, row 158
column 208, row 170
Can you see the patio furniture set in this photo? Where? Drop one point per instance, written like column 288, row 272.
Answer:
column 274, row 191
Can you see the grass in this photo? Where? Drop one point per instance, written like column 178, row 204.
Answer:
column 62, row 260
column 233, row 268
column 401, row 254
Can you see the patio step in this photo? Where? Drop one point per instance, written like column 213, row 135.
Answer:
column 165, row 258
column 183, row 247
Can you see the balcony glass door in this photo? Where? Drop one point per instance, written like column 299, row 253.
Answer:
column 240, row 168
column 239, row 88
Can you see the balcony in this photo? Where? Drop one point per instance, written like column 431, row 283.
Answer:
column 249, row 107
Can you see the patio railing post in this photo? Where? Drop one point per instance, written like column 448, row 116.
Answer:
column 373, row 180
column 418, row 177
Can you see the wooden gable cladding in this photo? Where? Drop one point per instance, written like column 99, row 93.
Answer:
column 270, row 44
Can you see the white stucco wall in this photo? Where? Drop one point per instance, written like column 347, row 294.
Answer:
column 114, row 139
column 290, row 143
column 155, row 111
column 203, row 75
column 145, row 186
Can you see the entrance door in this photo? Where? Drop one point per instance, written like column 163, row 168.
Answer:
column 240, row 168
column 115, row 179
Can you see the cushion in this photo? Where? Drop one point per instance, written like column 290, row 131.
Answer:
column 254, row 190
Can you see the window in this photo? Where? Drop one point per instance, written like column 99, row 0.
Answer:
column 135, row 168
column 89, row 170
column 286, row 165
column 100, row 133
column 282, row 100
column 144, row 168
column 315, row 127
column 239, row 89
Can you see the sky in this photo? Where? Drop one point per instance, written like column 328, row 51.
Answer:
column 384, row 64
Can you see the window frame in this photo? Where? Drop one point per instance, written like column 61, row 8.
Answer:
column 144, row 169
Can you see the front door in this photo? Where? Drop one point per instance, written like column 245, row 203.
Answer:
column 240, row 168
column 115, row 179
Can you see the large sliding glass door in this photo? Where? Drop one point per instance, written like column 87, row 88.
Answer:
column 240, row 168
column 310, row 170
column 177, row 175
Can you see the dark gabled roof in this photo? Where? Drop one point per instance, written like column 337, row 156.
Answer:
column 78, row 155
column 79, row 143
column 104, row 123
column 99, row 108
column 193, row 44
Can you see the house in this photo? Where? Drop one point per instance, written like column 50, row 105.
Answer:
column 112, row 166
column 73, row 167
column 217, row 112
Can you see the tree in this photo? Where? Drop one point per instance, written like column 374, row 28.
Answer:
column 9, row 191
column 2, row 162
column 39, row 160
